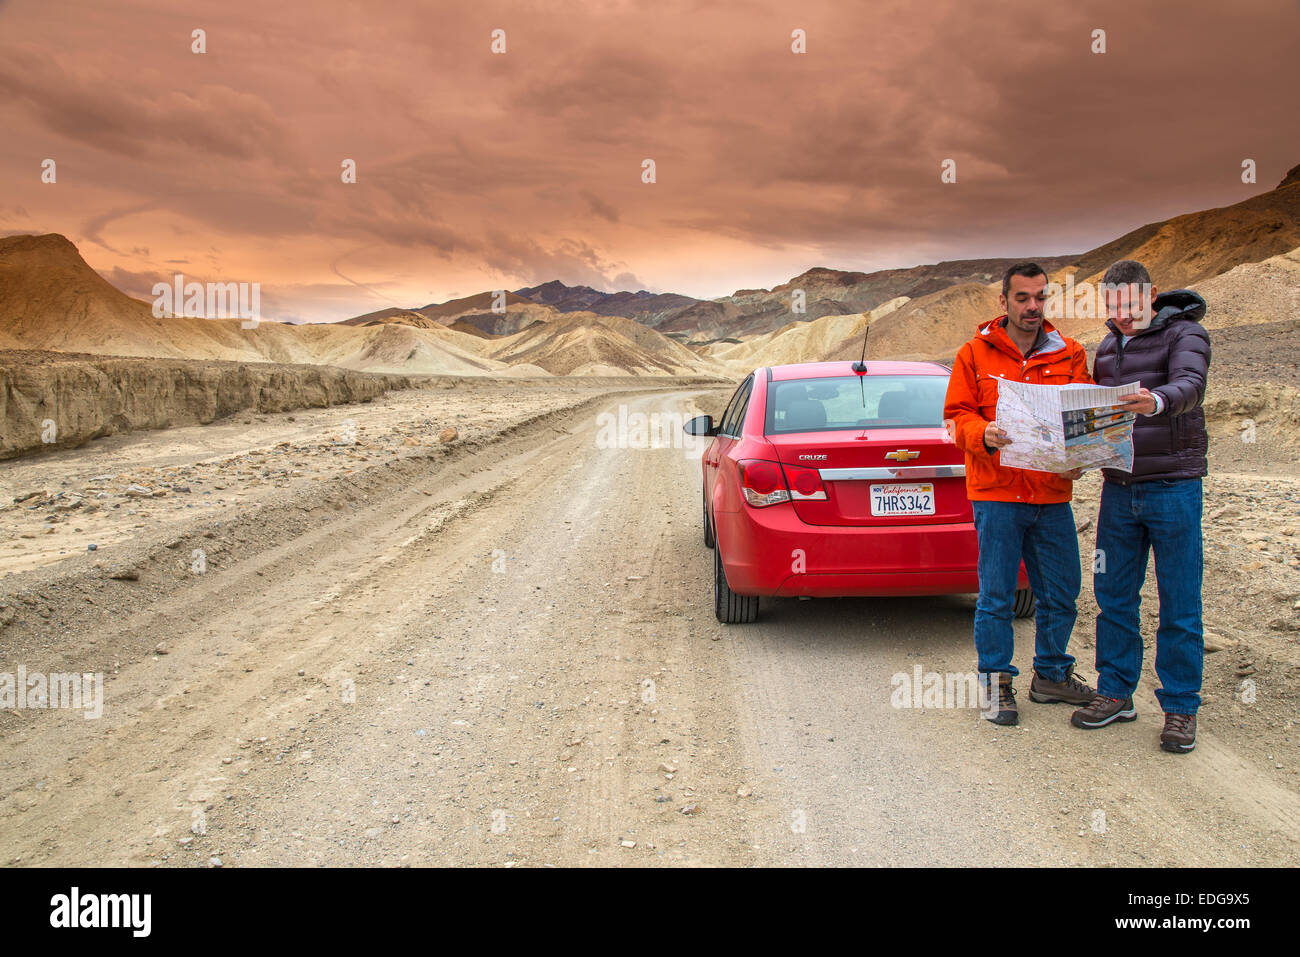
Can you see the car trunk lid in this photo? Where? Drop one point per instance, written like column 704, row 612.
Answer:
column 916, row 469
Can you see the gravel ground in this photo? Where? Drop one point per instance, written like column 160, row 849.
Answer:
column 500, row 651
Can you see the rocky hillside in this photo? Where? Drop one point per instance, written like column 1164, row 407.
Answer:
column 1197, row 246
column 647, row 307
column 749, row 312
column 57, row 400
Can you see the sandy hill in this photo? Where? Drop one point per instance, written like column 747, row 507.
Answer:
column 498, row 324
column 1239, row 257
column 575, row 342
column 477, row 310
column 932, row 326
column 1251, row 293
column 392, row 315
column 1247, row 295
column 1197, row 246
column 829, row 292
column 583, row 343
column 519, row 313
column 797, row 341
column 928, row 327
column 749, row 312
column 396, row 347
column 470, row 328
column 50, row 299
column 836, row 292
column 382, row 315
column 935, row 326
column 479, row 302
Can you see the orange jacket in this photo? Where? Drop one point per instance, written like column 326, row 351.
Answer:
column 972, row 404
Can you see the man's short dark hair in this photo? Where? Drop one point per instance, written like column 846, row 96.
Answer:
column 1028, row 270
column 1126, row 272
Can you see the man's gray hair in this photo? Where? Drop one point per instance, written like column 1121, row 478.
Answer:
column 1126, row 272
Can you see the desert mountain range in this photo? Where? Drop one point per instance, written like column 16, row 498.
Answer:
column 1244, row 258
column 50, row 299
column 751, row 312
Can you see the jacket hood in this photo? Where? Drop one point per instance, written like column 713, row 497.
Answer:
column 1170, row 307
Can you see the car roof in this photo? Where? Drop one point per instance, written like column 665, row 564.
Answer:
column 823, row 370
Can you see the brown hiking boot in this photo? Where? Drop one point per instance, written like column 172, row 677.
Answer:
column 1101, row 711
column 999, row 701
column 1179, row 735
column 1069, row 690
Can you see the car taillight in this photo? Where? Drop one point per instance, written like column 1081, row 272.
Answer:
column 765, row 484
column 762, row 483
column 805, row 484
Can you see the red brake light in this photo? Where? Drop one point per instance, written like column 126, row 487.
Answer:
column 762, row 483
column 805, row 483
column 763, row 477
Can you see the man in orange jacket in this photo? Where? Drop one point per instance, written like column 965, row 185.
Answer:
column 1019, row 513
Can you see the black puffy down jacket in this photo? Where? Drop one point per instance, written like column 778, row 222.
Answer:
column 1171, row 357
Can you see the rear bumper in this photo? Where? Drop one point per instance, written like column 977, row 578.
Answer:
column 769, row 551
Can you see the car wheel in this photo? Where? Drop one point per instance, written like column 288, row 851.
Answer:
column 731, row 609
column 710, row 539
column 1025, row 603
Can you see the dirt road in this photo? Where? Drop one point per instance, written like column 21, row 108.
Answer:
column 504, row 653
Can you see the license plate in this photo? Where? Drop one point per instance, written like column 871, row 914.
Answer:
column 890, row 500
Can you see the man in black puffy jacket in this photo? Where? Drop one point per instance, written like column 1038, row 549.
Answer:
column 1159, row 341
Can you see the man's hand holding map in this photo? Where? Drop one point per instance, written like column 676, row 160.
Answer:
column 1058, row 428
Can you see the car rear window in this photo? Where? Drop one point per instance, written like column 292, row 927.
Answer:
column 855, row 402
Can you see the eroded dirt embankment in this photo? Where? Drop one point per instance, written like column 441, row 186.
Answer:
column 56, row 400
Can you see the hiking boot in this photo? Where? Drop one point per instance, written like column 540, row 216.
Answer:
column 1101, row 711
column 1179, row 735
column 1000, row 700
column 1069, row 690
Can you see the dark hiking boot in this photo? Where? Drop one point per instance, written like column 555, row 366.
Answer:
column 1069, row 690
column 1179, row 735
column 999, row 704
column 1101, row 711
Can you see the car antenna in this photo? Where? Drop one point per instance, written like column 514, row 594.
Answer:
column 860, row 367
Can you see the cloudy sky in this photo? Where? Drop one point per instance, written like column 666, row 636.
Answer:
column 479, row 170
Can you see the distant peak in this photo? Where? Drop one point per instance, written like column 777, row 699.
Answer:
column 1292, row 177
column 31, row 241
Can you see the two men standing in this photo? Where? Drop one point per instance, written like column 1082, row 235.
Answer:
column 1024, row 514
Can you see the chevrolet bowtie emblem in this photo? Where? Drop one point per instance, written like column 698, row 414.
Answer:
column 902, row 455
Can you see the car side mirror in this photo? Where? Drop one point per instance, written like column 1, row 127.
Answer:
column 700, row 425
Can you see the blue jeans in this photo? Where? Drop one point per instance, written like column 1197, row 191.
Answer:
column 1044, row 536
column 1164, row 516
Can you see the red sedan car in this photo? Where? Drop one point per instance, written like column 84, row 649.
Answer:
column 829, row 482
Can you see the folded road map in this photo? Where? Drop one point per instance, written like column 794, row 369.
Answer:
column 1056, row 428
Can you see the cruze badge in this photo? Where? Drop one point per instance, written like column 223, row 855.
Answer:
column 813, row 458
column 903, row 455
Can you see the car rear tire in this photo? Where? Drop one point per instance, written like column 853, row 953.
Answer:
column 731, row 609
column 710, row 539
column 1025, row 603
